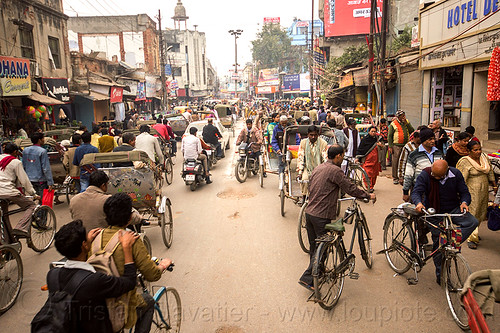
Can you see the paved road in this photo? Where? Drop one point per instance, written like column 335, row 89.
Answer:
column 238, row 262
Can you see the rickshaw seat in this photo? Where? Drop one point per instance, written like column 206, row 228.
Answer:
column 337, row 226
column 294, row 150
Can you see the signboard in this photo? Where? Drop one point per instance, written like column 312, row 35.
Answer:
column 271, row 20
column 168, row 70
column 153, row 86
column 265, row 90
column 302, row 24
column 56, row 88
column 268, row 77
column 141, row 91
column 116, row 95
column 291, row 82
column 235, row 76
column 14, row 77
column 349, row 17
column 305, row 82
column 346, row 80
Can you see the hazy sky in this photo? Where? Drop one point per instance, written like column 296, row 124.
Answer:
column 214, row 17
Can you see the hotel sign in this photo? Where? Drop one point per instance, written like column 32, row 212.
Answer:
column 15, row 77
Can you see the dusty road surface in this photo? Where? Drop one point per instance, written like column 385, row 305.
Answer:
column 238, row 262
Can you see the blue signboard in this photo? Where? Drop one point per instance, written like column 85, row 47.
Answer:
column 291, row 82
column 168, row 70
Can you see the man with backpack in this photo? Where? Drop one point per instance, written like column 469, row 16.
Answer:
column 118, row 210
column 77, row 293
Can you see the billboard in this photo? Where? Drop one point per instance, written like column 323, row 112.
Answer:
column 14, row 76
column 268, row 77
column 56, row 88
column 349, row 17
column 291, row 82
column 305, row 82
column 271, row 20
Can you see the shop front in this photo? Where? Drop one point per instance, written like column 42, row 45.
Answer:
column 457, row 40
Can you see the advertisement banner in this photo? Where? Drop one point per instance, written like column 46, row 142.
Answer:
column 116, row 95
column 268, row 77
column 56, row 88
column 266, row 90
column 271, row 20
column 305, row 82
column 14, row 76
column 291, row 82
column 153, row 86
column 349, row 17
column 141, row 91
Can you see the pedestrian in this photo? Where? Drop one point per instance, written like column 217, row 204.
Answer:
column 440, row 134
column 407, row 149
column 384, row 132
column 37, row 165
column 398, row 136
column 352, row 135
column 106, row 143
column 324, row 184
column 458, row 149
column 368, row 150
column 471, row 130
column 95, row 137
column 80, row 152
column 478, row 175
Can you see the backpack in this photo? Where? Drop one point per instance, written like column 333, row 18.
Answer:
column 102, row 260
column 55, row 316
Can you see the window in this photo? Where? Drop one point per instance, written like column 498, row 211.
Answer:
column 27, row 50
column 176, row 71
column 174, row 47
column 54, row 50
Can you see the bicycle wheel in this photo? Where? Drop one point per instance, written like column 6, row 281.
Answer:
column 397, row 230
column 360, row 177
column 147, row 244
column 328, row 284
column 167, row 226
column 261, row 176
column 302, row 231
column 282, row 202
column 365, row 244
column 72, row 189
column 454, row 272
column 42, row 229
column 169, row 171
column 168, row 311
column 11, row 276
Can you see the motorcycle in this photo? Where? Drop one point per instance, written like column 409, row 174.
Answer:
column 193, row 173
column 211, row 159
column 247, row 163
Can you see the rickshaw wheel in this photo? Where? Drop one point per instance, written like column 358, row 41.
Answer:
column 167, row 225
column 169, row 171
column 282, row 200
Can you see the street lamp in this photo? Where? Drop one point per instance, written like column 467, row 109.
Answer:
column 236, row 34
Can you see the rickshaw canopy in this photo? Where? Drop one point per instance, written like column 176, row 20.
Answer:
column 116, row 157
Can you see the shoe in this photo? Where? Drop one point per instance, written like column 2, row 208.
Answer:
column 438, row 279
column 472, row 245
column 19, row 233
column 208, row 181
column 305, row 285
column 264, row 175
column 145, row 222
column 395, row 182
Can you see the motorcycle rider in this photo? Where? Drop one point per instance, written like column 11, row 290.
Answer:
column 251, row 135
column 211, row 134
column 191, row 149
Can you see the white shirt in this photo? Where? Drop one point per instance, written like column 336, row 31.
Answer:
column 12, row 175
column 74, row 264
column 150, row 145
column 191, row 147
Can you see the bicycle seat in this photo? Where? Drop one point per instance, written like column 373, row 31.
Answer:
column 336, row 226
column 410, row 210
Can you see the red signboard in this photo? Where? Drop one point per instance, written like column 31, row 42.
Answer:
column 349, row 17
column 271, row 20
column 116, row 95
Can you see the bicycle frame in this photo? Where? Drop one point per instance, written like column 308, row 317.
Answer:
column 156, row 297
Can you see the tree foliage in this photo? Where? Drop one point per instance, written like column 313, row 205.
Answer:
column 351, row 56
column 403, row 41
column 273, row 48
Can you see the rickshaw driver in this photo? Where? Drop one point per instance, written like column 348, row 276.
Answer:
column 278, row 139
column 149, row 144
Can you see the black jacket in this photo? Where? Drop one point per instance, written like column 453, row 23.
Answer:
column 90, row 299
column 211, row 134
column 123, row 148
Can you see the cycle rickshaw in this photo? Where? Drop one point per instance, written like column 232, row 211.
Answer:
column 143, row 184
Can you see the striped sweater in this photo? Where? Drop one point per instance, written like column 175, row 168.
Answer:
column 399, row 134
column 417, row 162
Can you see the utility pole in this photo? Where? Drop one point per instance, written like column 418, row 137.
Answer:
column 311, row 54
column 236, row 34
column 373, row 17
column 383, row 43
column 162, row 64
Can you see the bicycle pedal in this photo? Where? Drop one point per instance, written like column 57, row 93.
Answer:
column 412, row 281
column 354, row 276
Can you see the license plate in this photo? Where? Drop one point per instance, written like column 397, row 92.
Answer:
column 209, row 152
column 190, row 177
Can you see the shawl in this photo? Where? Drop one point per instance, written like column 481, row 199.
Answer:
column 313, row 155
column 5, row 161
column 460, row 151
column 433, row 196
column 484, row 167
column 366, row 143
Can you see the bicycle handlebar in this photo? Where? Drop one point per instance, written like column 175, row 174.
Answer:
column 431, row 213
column 365, row 200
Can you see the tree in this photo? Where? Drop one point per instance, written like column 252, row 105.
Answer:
column 273, row 48
column 403, row 41
column 351, row 56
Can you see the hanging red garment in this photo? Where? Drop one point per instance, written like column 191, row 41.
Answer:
column 493, row 93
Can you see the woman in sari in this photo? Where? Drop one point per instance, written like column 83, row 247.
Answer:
column 368, row 149
column 478, row 174
column 458, row 149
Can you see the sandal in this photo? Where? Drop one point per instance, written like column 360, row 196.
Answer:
column 472, row 245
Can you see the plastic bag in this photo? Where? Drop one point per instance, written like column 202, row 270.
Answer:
column 48, row 198
column 493, row 218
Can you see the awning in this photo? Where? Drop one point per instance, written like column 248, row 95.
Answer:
column 44, row 99
column 94, row 95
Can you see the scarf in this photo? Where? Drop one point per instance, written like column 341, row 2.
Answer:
column 5, row 161
column 460, row 151
column 433, row 195
column 313, row 155
column 366, row 144
column 484, row 165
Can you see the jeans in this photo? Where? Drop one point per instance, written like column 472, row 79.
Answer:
column 174, row 146
column 282, row 163
column 315, row 228
column 84, row 183
column 467, row 223
column 145, row 315
column 39, row 187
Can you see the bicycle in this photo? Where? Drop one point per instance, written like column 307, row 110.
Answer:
column 356, row 173
column 402, row 253
column 42, row 227
column 11, row 276
column 72, row 187
column 332, row 262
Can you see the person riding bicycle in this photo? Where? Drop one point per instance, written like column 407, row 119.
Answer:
column 118, row 210
column 149, row 144
column 324, row 184
column 89, row 302
column 278, row 140
column 11, row 173
column 251, row 135
column 443, row 188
